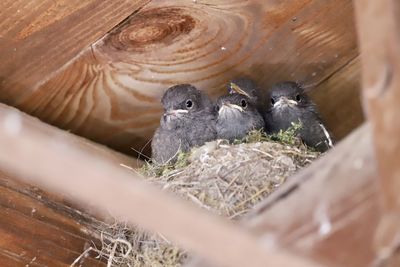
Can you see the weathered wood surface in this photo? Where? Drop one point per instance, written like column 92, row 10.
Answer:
column 329, row 211
column 379, row 38
column 96, row 182
column 37, row 38
column 38, row 229
column 110, row 92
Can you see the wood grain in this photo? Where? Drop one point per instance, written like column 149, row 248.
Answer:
column 37, row 38
column 37, row 231
column 338, row 99
column 110, row 92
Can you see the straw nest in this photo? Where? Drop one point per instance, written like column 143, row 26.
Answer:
column 227, row 179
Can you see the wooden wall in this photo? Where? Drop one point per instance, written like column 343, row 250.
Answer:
column 77, row 65
column 66, row 63
column 39, row 229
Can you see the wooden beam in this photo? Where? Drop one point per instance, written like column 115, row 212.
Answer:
column 62, row 166
column 37, row 38
column 328, row 211
column 379, row 37
column 380, row 53
column 39, row 229
column 110, row 93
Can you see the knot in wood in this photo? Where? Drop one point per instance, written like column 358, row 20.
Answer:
column 151, row 27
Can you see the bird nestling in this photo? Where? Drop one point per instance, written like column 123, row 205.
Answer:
column 248, row 88
column 237, row 115
column 189, row 120
column 287, row 103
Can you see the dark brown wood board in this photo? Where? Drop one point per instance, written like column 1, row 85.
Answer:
column 39, row 229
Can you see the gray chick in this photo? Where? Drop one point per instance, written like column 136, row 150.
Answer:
column 237, row 115
column 249, row 88
column 288, row 103
column 189, row 120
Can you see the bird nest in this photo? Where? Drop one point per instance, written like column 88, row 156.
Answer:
column 226, row 179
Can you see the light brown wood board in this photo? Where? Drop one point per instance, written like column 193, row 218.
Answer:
column 110, row 93
column 37, row 38
column 378, row 32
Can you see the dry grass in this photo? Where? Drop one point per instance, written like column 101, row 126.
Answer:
column 227, row 179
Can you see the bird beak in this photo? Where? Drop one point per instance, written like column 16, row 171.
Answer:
column 226, row 107
column 236, row 89
column 175, row 112
column 283, row 101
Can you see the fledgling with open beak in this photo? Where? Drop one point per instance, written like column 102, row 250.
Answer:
column 189, row 120
column 237, row 116
column 248, row 88
column 287, row 104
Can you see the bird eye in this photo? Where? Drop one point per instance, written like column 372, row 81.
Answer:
column 243, row 103
column 272, row 101
column 298, row 98
column 189, row 104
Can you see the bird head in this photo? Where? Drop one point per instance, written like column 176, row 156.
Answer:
column 234, row 105
column 184, row 101
column 288, row 95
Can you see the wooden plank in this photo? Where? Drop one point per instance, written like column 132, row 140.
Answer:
column 35, row 206
column 380, row 54
column 14, row 260
column 381, row 85
column 95, row 181
column 328, row 211
column 38, row 37
column 25, row 236
column 38, row 232
column 339, row 99
column 111, row 92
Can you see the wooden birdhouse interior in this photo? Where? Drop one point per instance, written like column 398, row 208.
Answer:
column 80, row 90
